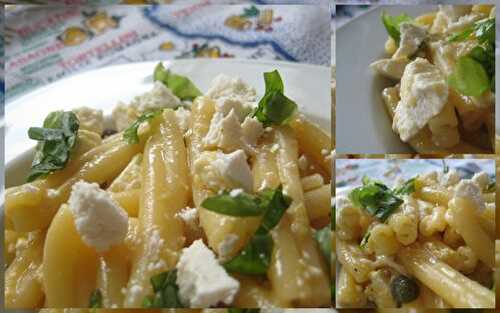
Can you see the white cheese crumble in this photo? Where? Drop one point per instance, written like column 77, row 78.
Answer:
column 202, row 281
column 449, row 179
column 224, row 132
column 159, row 97
column 236, row 192
column 482, row 179
column 252, row 130
column 470, row 190
column 90, row 119
column 224, row 86
column 183, row 119
column 424, row 93
column 391, row 68
column 412, row 37
column 190, row 218
column 234, row 167
column 99, row 220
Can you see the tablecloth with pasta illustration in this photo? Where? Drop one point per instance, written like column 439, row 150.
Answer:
column 45, row 44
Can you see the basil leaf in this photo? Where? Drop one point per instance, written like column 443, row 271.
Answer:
column 95, row 301
column 166, row 291
column 376, row 198
column 242, row 204
column 55, row 139
column 274, row 108
column 130, row 134
column 332, row 291
column 407, row 188
column 324, row 239
column 392, row 24
column 275, row 203
column 243, row 310
column 273, row 81
column 255, row 257
column 483, row 31
column 469, row 77
column 333, row 217
column 180, row 85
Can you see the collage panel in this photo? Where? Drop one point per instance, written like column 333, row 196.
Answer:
column 422, row 80
column 168, row 156
column 415, row 233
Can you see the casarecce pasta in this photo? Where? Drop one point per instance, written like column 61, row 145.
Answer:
column 444, row 65
column 426, row 243
column 194, row 200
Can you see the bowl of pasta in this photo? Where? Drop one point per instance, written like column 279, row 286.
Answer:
column 201, row 190
column 428, row 84
column 424, row 242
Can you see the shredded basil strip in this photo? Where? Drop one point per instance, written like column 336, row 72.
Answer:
column 243, row 204
column 483, row 31
column 180, row 86
column 324, row 239
column 376, row 198
column 407, row 188
column 130, row 133
column 274, row 108
column 55, row 139
column 365, row 239
column 166, row 291
column 255, row 257
column 95, row 301
column 392, row 24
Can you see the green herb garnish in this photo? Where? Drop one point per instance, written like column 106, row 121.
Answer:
column 255, row 257
column 95, row 301
column 483, row 31
column 274, row 108
column 166, row 291
column 492, row 187
column 469, row 77
column 130, row 134
column 392, row 24
column 376, row 198
column 55, row 139
column 242, row 204
column 407, row 188
column 324, row 239
column 180, row 85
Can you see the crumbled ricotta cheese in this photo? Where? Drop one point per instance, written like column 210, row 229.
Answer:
column 224, row 86
column 470, row 190
column 90, row 119
column 202, row 281
column 99, row 220
column 234, row 167
column 190, row 218
column 225, row 105
column 424, row 93
column 391, row 68
column 412, row 37
column 482, row 179
column 183, row 119
column 252, row 130
column 236, row 192
column 159, row 97
column 224, row 132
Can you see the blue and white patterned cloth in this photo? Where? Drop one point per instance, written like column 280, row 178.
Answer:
column 349, row 172
column 45, row 44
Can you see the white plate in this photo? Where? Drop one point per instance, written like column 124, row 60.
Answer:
column 308, row 85
column 363, row 125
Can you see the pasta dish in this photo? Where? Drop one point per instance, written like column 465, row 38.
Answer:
column 193, row 200
column 442, row 68
column 428, row 242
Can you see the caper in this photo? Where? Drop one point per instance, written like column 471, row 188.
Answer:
column 404, row 289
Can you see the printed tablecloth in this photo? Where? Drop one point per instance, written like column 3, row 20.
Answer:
column 349, row 172
column 45, row 44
